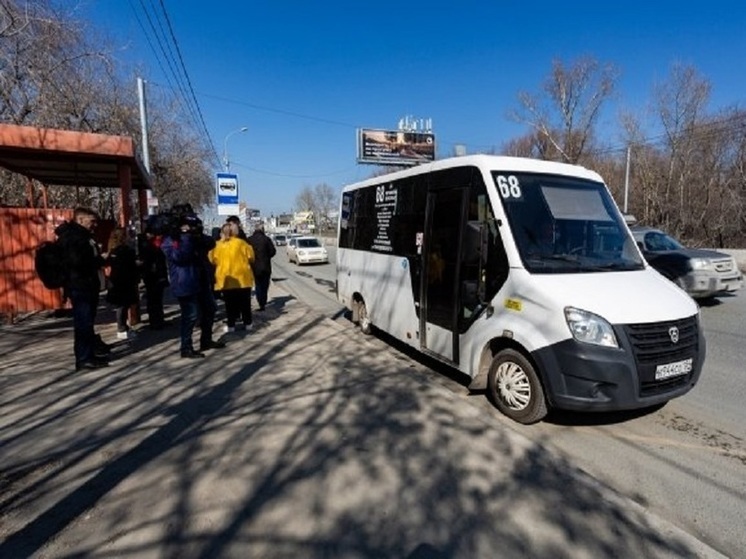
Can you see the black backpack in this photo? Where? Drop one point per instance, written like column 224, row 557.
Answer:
column 50, row 264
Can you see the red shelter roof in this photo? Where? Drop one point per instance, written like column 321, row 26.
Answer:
column 65, row 157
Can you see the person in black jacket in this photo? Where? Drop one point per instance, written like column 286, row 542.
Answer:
column 124, row 279
column 264, row 250
column 84, row 283
column 154, row 275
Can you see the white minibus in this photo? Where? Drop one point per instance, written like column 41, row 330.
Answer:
column 522, row 274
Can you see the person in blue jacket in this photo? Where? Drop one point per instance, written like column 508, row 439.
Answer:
column 191, row 277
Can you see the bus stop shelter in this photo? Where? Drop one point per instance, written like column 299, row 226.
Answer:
column 69, row 159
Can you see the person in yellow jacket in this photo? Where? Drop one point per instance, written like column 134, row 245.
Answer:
column 232, row 258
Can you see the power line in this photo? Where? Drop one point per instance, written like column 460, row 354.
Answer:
column 189, row 81
column 166, row 50
column 699, row 131
column 164, row 54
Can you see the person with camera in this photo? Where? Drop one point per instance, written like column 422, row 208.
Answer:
column 191, row 277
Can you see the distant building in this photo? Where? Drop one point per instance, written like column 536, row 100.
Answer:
column 282, row 223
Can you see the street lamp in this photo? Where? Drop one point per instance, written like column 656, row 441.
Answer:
column 226, row 161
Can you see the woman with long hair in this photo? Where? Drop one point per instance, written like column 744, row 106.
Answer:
column 123, row 280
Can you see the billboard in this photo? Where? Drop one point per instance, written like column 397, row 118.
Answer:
column 226, row 192
column 395, row 147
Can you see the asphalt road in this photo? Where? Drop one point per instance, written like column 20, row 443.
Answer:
column 685, row 462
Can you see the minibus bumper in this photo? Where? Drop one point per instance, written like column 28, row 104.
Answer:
column 586, row 377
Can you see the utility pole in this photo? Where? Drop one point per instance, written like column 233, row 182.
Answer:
column 626, row 181
column 144, row 133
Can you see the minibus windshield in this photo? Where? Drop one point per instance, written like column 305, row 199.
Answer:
column 565, row 225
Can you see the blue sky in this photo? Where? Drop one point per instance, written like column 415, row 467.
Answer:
column 303, row 76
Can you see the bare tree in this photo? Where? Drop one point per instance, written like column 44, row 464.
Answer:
column 304, row 200
column 58, row 72
column 327, row 202
column 563, row 116
column 321, row 200
column 687, row 181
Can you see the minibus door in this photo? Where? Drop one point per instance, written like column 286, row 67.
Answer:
column 440, row 280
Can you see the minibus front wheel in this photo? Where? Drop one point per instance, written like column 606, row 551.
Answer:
column 514, row 387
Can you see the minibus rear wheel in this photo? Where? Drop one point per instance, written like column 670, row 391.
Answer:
column 514, row 387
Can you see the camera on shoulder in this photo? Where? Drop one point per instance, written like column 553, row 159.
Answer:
column 170, row 222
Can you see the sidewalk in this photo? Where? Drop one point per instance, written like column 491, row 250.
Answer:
column 301, row 439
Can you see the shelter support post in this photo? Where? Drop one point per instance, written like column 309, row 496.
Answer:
column 142, row 199
column 125, row 187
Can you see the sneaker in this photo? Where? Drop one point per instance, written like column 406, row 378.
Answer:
column 214, row 344
column 191, row 354
column 228, row 329
column 126, row 335
column 248, row 327
column 240, row 327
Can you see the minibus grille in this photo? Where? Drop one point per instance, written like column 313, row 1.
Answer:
column 653, row 345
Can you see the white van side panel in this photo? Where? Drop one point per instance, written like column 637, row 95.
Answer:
column 384, row 282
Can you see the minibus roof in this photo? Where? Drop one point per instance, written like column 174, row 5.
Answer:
column 496, row 162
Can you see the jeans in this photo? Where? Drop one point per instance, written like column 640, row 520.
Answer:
column 262, row 288
column 85, row 304
column 198, row 306
column 207, row 309
column 189, row 311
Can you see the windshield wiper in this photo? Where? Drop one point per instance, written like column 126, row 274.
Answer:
column 611, row 266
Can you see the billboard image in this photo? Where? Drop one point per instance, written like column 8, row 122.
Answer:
column 395, row 147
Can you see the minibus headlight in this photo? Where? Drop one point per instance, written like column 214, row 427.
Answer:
column 590, row 328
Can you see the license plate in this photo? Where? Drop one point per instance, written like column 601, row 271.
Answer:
column 673, row 369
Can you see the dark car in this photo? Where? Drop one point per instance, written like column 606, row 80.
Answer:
column 700, row 272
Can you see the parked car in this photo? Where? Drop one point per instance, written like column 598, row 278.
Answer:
column 701, row 273
column 280, row 239
column 306, row 250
